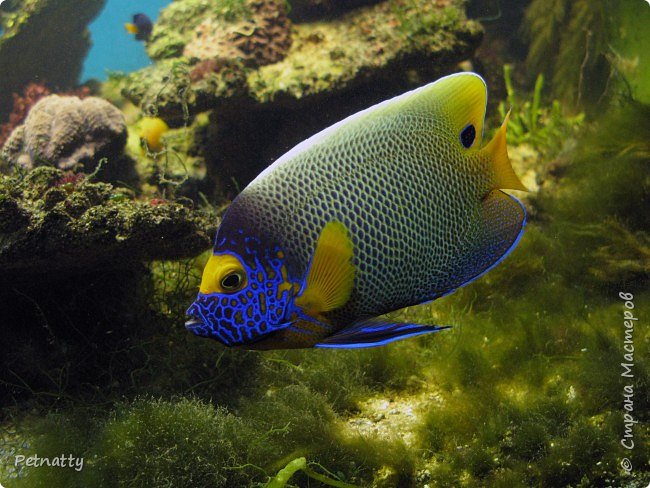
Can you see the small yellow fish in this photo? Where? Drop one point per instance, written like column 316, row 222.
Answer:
column 151, row 131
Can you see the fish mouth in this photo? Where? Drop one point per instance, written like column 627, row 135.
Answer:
column 193, row 323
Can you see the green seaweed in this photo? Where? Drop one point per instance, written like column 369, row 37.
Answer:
column 568, row 42
column 543, row 127
column 591, row 50
column 281, row 479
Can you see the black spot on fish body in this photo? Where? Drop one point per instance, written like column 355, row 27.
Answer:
column 467, row 136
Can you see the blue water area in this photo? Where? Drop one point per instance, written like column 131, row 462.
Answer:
column 113, row 48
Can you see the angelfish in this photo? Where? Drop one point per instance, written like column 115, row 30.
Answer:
column 396, row 205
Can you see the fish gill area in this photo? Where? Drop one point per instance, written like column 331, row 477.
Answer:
column 105, row 228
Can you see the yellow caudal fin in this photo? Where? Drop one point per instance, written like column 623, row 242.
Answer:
column 131, row 28
column 330, row 277
column 505, row 177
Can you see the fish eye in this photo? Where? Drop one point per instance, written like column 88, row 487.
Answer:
column 467, row 136
column 232, row 281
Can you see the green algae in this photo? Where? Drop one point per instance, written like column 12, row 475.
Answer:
column 75, row 224
column 329, row 56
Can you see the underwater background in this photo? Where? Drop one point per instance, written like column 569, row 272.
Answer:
column 115, row 172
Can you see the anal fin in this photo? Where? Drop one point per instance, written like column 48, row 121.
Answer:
column 375, row 332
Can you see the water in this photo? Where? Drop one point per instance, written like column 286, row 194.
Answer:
column 113, row 48
column 111, row 194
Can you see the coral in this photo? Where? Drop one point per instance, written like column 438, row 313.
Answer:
column 208, row 66
column 177, row 23
column 32, row 93
column 43, row 40
column 69, row 133
column 262, row 38
column 523, row 390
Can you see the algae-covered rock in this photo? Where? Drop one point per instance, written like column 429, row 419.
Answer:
column 43, row 40
column 365, row 46
column 71, row 134
column 256, row 31
column 331, row 69
column 53, row 223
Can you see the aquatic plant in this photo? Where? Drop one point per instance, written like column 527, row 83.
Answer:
column 568, row 43
column 607, row 178
column 532, row 122
column 591, row 50
column 281, row 479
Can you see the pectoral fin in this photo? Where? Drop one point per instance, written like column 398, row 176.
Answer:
column 375, row 332
column 330, row 277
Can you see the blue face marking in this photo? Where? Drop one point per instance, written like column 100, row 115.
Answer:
column 256, row 310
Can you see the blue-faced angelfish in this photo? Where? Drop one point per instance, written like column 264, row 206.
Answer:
column 396, row 205
column 141, row 27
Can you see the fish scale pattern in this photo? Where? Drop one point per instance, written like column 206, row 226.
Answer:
column 410, row 194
